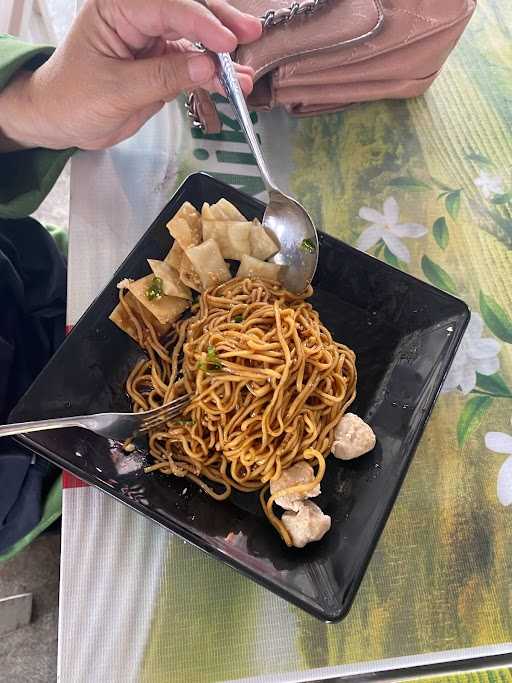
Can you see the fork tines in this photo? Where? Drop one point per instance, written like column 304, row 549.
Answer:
column 164, row 414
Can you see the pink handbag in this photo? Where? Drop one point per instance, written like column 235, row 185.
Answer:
column 319, row 56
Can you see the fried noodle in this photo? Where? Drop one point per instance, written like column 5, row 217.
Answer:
column 268, row 386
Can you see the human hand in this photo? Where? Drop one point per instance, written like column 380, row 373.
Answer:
column 121, row 61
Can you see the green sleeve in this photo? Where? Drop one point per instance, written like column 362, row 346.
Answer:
column 26, row 176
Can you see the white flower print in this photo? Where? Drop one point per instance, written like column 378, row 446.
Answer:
column 489, row 184
column 475, row 354
column 499, row 442
column 385, row 226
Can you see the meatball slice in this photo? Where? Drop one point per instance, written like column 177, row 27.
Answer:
column 301, row 473
column 307, row 525
column 352, row 438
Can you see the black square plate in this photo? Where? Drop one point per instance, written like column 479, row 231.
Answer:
column 405, row 334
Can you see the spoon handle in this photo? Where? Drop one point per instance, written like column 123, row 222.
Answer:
column 229, row 80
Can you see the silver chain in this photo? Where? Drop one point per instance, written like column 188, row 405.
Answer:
column 273, row 17
column 192, row 113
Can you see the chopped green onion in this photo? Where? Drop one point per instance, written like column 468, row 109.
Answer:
column 213, row 362
column 238, row 318
column 184, row 421
column 206, row 367
column 155, row 289
column 212, row 357
column 308, row 246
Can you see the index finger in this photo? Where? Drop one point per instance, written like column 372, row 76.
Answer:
column 246, row 27
column 186, row 18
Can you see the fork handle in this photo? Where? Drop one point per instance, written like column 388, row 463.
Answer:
column 41, row 425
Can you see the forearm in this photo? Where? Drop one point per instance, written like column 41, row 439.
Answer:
column 29, row 162
column 18, row 62
column 28, row 167
column 17, row 130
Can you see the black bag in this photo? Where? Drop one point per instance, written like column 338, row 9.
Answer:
column 32, row 326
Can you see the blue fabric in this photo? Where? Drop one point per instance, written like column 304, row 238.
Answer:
column 13, row 471
column 32, row 326
column 25, row 480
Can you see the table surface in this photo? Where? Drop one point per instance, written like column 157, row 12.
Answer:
column 145, row 606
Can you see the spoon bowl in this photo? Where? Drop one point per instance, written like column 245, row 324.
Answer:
column 284, row 217
column 289, row 222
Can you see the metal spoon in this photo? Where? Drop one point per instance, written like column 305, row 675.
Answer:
column 284, row 217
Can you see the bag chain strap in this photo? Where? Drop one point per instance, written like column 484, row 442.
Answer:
column 273, row 17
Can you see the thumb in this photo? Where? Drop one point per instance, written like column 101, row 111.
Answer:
column 164, row 78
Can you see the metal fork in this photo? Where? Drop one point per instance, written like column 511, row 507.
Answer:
column 117, row 426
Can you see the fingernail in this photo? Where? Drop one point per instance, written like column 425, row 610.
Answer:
column 200, row 69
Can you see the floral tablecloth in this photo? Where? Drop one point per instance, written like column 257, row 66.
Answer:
column 427, row 186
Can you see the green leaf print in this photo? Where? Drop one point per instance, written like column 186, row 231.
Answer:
column 378, row 249
column 496, row 319
column 504, row 225
column 470, row 417
column 437, row 276
column 479, row 159
column 442, row 186
column 392, row 260
column 493, row 219
column 409, row 183
column 502, row 198
column 452, row 203
column 441, row 234
column 493, row 384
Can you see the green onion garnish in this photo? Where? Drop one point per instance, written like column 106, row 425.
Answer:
column 238, row 318
column 308, row 246
column 213, row 362
column 155, row 291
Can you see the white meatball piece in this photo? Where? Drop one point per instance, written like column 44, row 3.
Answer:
column 306, row 525
column 352, row 438
column 301, row 473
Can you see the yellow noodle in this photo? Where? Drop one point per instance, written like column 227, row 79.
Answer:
column 267, row 389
